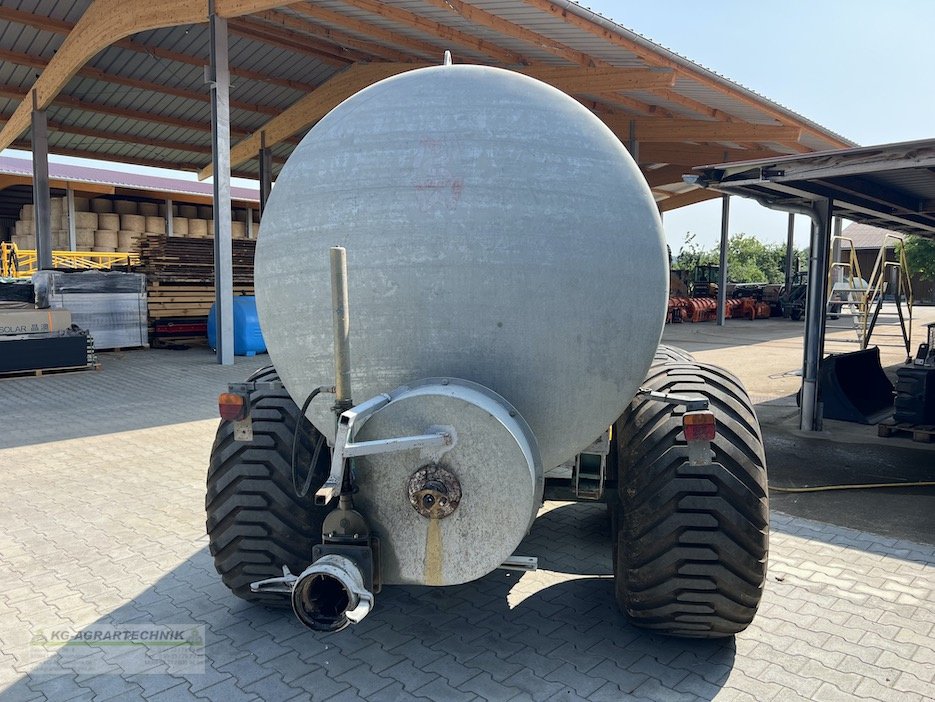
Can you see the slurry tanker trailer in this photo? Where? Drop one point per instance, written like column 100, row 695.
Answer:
column 462, row 283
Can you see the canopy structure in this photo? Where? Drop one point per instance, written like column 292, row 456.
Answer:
column 227, row 87
column 890, row 186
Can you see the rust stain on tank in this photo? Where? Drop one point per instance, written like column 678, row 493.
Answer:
column 432, row 565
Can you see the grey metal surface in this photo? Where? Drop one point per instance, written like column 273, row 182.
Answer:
column 220, row 155
column 480, row 246
column 722, row 271
column 42, row 212
column 495, row 460
column 810, row 415
column 790, row 251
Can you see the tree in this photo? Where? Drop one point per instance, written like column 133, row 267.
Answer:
column 749, row 260
column 920, row 256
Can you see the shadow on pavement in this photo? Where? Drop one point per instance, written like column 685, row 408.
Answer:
column 501, row 636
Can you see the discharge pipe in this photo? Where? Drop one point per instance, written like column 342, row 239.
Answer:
column 330, row 594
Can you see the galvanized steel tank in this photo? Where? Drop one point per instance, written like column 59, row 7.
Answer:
column 497, row 231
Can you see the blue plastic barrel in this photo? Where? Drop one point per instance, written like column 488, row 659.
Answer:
column 248, row 339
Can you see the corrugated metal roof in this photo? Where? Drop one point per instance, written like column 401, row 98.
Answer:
column 165, row 118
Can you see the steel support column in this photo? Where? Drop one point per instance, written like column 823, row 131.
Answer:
column 249, row 222
column 790, row 250
column 70, row 211
column 170, row 218
column 266, row 173
column 219, row 79
column 41, row 198
column 722, row 271
column 810, row 413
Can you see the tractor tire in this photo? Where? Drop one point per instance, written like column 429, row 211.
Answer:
column 691, row 544
column 671, row 354
column 256, row 523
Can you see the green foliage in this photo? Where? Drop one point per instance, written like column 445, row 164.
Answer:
column 749, row 260
column 920, row 256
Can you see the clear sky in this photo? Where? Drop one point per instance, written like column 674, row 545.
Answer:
column 862, row 68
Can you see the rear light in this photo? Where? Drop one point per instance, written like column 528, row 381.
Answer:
column 699, row 426
column 232, row 406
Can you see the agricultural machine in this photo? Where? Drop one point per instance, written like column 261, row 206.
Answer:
column 484, row 335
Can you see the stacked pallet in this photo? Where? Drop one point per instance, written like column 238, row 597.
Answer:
column 180, row 282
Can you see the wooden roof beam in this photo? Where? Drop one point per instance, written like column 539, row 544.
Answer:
column 56, row 26
column 308, row 110
column 654, row 58
column 103, row 23
column 597, row 80
column 334, row 37
column 292, row 42
column 692, row 197
column 423, row 49
column 439, row 30
column 690, row 155
column 688, row 130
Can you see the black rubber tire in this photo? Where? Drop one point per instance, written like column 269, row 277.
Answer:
column 691, row 548
column 255, row 522
column 671, row 354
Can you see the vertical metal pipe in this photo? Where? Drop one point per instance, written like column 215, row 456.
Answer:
column 72, row 234
column 266, row 173
column 722, row 273
column 41, row 198
column 249, row 222
column 342, row 328
column 790, row 250
column 810, row 415
column 220, row 149
column 170, row 218
column 633, row 144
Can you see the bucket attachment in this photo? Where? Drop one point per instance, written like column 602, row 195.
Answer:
column 854, row 388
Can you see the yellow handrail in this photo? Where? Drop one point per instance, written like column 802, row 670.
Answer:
column 877, row 285
column 22, row 263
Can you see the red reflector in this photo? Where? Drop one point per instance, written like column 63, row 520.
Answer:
column 232, row 406
column 699, row 426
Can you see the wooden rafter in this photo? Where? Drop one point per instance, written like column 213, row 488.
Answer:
column 313, row 107
column 57, row 26
column 334, row 37
column 604, row 79
column 423, row 49
column 105, row 22
column 688, row 130
column 697, row 154
column 673, row 202
column 439, row 30
column 292, row 42
column 654, row 58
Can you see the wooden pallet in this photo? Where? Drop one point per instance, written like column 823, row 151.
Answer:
column 923, row 433
column 49, row 371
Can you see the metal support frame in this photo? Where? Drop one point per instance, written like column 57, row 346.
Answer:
column 266, row 172
column 41, row 198
column 810, row 413
column 836, row 249
column 170, row 218
column 790, row 250
column 219, row 79
column 72, row 234
column 722, row 271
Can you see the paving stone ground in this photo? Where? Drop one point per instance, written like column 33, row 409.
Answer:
column 102, row 484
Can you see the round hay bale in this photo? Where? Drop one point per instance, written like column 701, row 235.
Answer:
column 90, row 220
column 132, row 222
column 27, row 213
column 179, row 226
column 84, row 238
column 82, row 204
column 155, row 225
column 105, row 239
column 104, row 249
column 205, row 211
column 25, row 227
column 197, row 227
column 125, row 207
column 149, row 209
column 126, row 241
column 238, row 230
column 188, row 211
column 101, row 205
column 108, row 221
